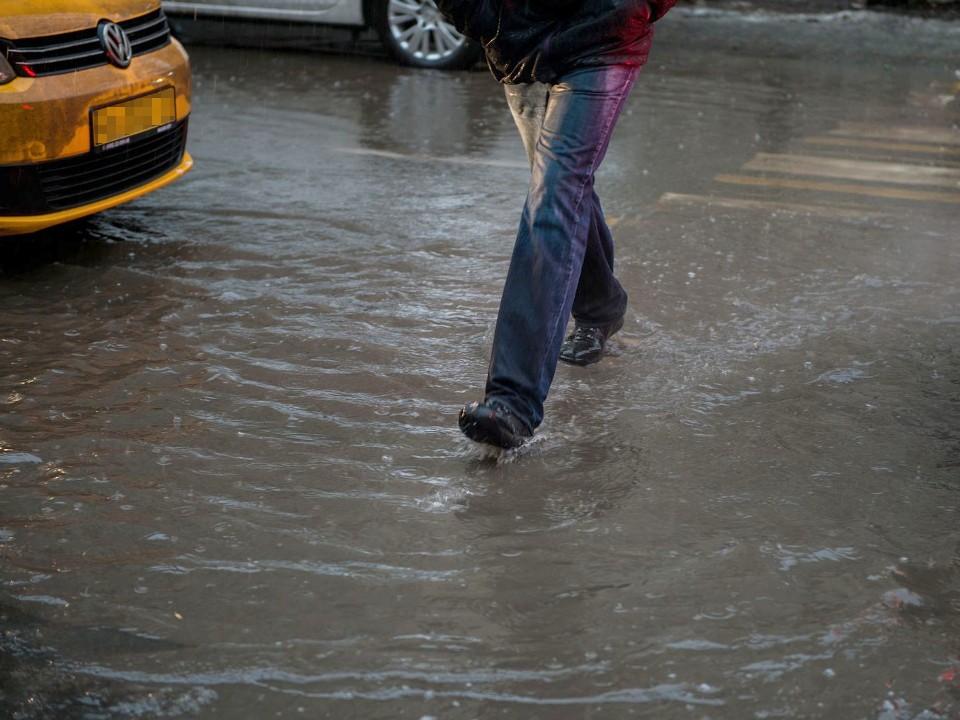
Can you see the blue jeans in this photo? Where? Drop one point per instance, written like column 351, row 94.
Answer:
column 562, row 261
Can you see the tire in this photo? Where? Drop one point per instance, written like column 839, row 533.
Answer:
column 416, row 34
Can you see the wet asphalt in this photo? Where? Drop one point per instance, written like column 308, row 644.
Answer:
column 232, row 483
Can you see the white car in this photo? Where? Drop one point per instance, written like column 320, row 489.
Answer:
column 413, row 31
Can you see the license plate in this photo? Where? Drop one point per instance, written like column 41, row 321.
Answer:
column 132, row 117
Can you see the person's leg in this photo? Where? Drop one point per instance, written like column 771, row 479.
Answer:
column 497, row 424
column 600, row 299
column 559, row 216
column 600, row 302
column 528, row 105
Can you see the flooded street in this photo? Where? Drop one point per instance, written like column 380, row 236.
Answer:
column 231, row 477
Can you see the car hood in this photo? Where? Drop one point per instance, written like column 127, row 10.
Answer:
column 37, row 18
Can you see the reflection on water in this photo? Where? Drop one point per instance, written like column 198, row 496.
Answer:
column 233, row 485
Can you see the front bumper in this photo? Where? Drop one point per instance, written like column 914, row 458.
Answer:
column 23, row 224
column 50, row 169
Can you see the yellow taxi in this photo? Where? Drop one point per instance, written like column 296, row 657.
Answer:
column 94, row 104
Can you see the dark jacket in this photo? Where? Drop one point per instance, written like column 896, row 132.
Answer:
column 528, row 40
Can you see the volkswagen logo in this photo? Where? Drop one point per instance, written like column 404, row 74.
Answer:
column 115, row 44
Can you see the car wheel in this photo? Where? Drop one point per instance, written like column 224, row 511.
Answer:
column 416, row 33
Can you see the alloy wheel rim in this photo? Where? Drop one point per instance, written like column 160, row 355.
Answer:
column 420, row 29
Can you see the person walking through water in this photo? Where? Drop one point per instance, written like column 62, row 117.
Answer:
column 567, row 67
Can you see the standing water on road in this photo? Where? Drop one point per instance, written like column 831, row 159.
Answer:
column 232, row 481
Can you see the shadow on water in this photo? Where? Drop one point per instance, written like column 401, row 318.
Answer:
column 72, row 244
column 100, row 240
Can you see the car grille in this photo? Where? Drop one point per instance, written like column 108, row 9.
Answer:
column 54, row 54
column 71, row 182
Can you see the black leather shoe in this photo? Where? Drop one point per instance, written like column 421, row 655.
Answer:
column 494, row 424
column 585, row 345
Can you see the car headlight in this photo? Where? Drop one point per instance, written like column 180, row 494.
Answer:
column 6, row 72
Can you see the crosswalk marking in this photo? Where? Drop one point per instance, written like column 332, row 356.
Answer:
column 870, row 171
column 842, row 188
column 909, row 133
column 857, row 169
column 902, row 147
column 768, row 206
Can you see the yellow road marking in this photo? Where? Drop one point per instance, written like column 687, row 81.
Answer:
column 901, row 173
column 843, row 188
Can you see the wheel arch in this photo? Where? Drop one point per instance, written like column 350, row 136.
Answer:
column 370, row 10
